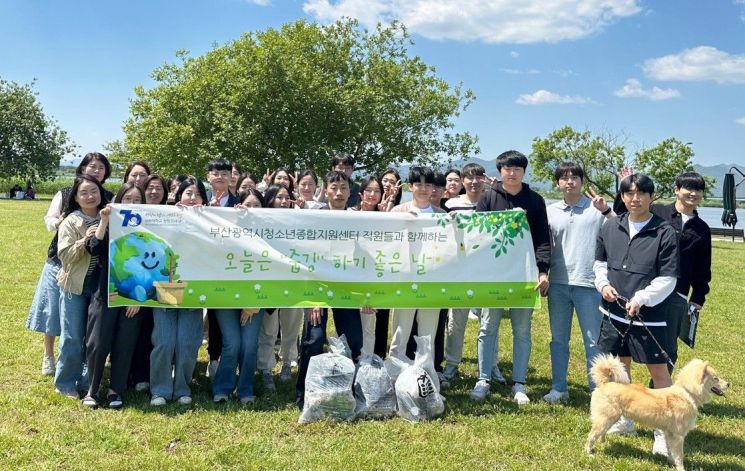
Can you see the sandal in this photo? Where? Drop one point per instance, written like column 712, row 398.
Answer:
column 114, row 401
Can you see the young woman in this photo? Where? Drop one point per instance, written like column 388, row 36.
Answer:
column 78, row 278
column 156, row 192
column 282, row 177
column 175, row 183
column 235, row 174
column 137, row 172
column 177, row 334
column 110, row 330
column 374, row 327
column 240, row 337
column 43, row 314
column 285, row 321
column 306, row 189
column 246, row 182
column 453, row 183
column 391, row 181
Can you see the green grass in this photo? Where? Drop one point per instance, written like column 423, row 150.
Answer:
column 41, row 430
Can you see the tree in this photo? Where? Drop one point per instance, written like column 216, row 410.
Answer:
column 290, row 97
column 31, row 144
column 600, row 157
column 664, row 162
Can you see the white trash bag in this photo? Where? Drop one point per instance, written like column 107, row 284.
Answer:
column 328, row 385
column 395, row 366
column 373, row 389
column 417, row 387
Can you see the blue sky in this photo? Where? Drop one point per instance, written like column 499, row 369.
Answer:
column 642, row 70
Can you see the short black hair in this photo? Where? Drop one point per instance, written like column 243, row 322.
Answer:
column 335, row 177
column 72, row 203
column 341, row 158
column 569, row 168
column 90, row 157
column 440, row 179
column 511, row 158
column 416, row 174
column 473, row 170
column 642, row 182
column 243, row 196
column 132, row 165
column 219, row 165
column 453, row 170
column 690, row 181
column 125, row 189
column 189, row 181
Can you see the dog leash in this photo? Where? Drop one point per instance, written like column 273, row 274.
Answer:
column 640, row 319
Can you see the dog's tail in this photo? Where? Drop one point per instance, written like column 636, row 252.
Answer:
column 606, row 369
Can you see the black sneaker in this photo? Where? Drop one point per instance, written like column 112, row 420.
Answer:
column 114, row 401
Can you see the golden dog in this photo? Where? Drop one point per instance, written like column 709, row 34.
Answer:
column 672, row 410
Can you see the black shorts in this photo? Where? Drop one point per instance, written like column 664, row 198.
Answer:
column 637, row 342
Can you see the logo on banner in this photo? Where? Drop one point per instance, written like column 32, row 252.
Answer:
column 130, row 218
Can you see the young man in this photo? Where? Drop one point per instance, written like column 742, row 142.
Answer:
column 346, row 320
column 421, row 182
column 512, row 193
column 472, row 178
column 636, row 269
column 218, row 175
column 575, row 223
column 344, row 163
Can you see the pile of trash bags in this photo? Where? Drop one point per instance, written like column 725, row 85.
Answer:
column 335, row 390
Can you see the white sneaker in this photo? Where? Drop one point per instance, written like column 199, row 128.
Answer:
column 212, row 368
column 158, row 401
column 47, row 366
column 481, row 390
column 624, row 426
column 142, row 386
column 554, row 396
column 184, row 400
column 520, row 394
column 660, row 444
column 285, row 373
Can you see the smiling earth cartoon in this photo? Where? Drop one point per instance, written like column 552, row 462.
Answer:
column 138, row 260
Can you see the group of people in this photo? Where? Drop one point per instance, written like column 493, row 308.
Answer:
column 627, row 269
column 17, row 193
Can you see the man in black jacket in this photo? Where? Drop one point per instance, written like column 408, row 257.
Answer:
column 512, row 193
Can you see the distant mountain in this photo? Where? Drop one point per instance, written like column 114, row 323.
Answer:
column 717, row 172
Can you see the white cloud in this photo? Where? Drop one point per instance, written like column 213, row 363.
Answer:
column 261, row 3
column 521, row 72
column 698, row 64
column 526, row 21
column 633, row 89
column 514, row 54
column 741, row 121
column 544, row 97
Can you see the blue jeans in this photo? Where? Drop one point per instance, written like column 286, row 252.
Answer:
column 44, row 311
column 71, row 374
column 240, row 344
column 562, row 301
column 488, row 341
column 177, row 336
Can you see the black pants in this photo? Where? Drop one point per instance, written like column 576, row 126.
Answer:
column 139, row 371
column 382, row 319
column 439, row 344
column 347, row 322
column 214, row 341
column 109, row 330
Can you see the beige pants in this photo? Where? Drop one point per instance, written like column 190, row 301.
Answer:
column 288, row 321
column 403, row 320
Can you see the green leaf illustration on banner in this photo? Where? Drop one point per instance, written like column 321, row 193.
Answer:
column 503, row 226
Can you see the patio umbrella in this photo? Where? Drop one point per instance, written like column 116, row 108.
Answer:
column 729, row 218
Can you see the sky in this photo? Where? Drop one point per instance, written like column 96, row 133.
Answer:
column 639, row 70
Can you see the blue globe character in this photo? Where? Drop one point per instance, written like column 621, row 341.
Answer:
column 139, row 259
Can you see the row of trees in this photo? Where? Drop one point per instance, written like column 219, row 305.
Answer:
column 289, row 97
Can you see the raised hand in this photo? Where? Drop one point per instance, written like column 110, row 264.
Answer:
column 597, row 200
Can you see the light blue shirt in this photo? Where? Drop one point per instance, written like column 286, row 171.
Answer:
column 574, row 230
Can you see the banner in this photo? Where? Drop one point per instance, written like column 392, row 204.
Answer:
column 226, row 257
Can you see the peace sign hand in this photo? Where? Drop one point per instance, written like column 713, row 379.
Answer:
column 597, row 200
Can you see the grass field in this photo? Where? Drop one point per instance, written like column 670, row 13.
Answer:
column 42, row 430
